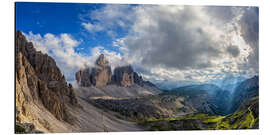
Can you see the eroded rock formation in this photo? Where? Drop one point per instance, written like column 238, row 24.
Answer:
column 124, row 76
column 39, row 80
column 101, row 75
column 83, row 77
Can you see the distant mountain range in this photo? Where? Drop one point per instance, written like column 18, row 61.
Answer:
column 224, row 101
column 244, row 91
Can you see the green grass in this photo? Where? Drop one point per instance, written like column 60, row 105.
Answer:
column 19, row 129
column 239, row 120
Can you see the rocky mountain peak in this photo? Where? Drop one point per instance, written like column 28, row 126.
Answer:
column 40, row 81
column 124, row 76
column 101, row 75
column 83, row 77
column 102, row 61
column 98, row 76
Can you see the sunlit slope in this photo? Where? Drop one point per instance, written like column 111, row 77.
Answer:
column 245, row 118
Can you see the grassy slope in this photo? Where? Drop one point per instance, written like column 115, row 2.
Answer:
column 242, row 119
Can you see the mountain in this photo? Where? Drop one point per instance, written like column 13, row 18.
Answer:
column 210, row 88
column 40, row 86
column 245, row 90
column 99, row 76
column 207, row 98
column 171, row 84
column 101, row 73
column 230, row 83
column 45, row 102
column 211, row 99
column 124, row 83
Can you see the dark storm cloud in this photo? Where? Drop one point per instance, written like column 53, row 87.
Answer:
column 233, row 50
column 250, row 26
column 224, row 14
column 174, row 42
column 249, row 23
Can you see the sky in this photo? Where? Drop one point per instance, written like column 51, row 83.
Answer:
column 169, row 45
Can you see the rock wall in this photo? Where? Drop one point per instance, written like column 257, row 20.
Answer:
column 83, row 77
column 124, row 76
column 40, row 81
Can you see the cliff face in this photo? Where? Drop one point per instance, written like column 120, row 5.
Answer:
column 124, row 76
column 101, row 74
column 83, row 77
column 39, row 81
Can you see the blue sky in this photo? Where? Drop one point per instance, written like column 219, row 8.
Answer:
column 57, row 18
column 167, row 44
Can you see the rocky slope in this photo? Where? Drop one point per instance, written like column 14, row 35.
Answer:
column 116, row 92
column 148, row 107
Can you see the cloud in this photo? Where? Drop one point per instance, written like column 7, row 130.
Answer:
column 233, row 50
column 223, row 14
column 172, row 37
column 92, row 27
column 185, row 42
column 249, row 24
column 108, row 19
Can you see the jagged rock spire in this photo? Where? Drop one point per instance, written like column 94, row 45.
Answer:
column 101, row 75
column 102, row 61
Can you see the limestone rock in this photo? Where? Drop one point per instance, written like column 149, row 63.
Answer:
column 101, row 74
column 138, row 79
column 102, row 61
column 39, row 80
column 124, row 76
column 83, row 77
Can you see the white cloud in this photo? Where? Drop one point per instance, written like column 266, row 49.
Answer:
column 92, row 27
column 108, row 19
column 62, row 48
